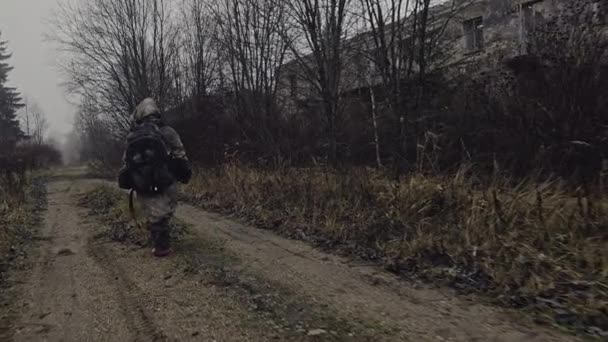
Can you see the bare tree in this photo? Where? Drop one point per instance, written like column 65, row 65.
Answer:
column 406, row 40
column 34, row 122
column 252, row 46
column 119, row 52
column 320, row 30
column 200, row 58
column 94, row 133
column 374, row 115
column 39, row 125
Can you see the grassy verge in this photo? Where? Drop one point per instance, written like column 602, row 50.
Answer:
column 534, row 245
column 19, row 218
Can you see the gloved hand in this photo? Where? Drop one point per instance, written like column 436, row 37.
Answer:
column 181, row 169
column 124, row 178
column 187, row 176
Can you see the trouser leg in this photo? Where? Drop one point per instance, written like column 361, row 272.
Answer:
column 159, row 210
column 160, row 234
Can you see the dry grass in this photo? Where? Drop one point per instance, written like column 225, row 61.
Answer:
column 10, row 218
column 12, row 214
column 112, row 207
column 20, row 215
column 533, row 245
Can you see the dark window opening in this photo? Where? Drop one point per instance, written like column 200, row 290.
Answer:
column 473, row 34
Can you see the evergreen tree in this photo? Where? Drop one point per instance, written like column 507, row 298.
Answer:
column 10, row 102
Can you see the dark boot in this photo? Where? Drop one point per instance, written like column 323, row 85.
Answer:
column 161, row 238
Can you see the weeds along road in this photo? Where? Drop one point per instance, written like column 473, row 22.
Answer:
column 226, row 282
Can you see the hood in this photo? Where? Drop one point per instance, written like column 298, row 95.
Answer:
column 146, row 108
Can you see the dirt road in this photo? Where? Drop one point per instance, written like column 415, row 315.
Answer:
column 227, row 282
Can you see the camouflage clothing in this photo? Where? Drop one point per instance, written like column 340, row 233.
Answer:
column 159, row 208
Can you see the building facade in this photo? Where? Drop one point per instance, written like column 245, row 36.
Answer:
column 478, row 34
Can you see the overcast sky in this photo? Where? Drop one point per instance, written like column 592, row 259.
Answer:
column 23, row 24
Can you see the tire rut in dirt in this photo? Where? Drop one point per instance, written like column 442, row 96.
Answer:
column 131, row 300
column 290, row 312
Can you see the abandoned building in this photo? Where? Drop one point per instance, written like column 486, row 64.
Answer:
column 477, row 33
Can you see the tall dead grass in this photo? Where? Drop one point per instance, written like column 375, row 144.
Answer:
column 10, row 217
column 534, row 244
column 12, row 209
column 20, row 215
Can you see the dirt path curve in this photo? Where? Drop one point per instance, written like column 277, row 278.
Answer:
column 227, row 282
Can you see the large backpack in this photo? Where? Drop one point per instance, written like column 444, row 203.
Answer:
column 147, row 159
